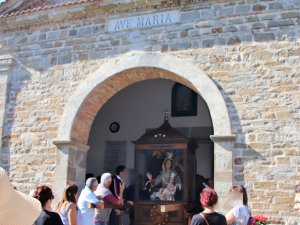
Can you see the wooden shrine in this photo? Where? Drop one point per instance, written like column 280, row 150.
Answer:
column 166, row 181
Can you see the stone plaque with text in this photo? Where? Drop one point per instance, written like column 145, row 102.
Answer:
column 143, row 21
column 115, row 154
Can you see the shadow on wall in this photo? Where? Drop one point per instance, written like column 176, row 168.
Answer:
column 18, row 135
column 242, row 152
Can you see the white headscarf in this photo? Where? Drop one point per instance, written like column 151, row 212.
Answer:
column 102, row 190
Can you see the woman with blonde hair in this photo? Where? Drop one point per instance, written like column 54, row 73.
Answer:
column 67, row 206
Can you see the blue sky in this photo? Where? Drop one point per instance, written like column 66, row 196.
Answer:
column 2, row 1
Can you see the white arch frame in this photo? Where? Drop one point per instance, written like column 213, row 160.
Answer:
column 184, row 68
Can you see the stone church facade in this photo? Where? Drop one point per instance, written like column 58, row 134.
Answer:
column 60, row 61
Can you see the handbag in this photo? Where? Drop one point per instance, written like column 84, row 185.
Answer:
column 203, row 217
column 251, row 220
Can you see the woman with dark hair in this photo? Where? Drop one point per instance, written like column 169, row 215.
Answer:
column 239, row 214
column 44, row 194
column 67, row 206
column 208, row 199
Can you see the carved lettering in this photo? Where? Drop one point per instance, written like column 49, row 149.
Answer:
column 143, row 21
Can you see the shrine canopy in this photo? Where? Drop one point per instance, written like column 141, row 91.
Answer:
column 163, row 134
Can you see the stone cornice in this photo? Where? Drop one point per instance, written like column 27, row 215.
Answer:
column 221, row 138
column 62, row 143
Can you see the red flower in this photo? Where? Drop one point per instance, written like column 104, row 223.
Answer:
column 260, row 218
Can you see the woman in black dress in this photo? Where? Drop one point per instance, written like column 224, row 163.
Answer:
column 208, row 199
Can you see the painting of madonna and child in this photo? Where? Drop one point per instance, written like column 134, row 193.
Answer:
column 160, row 175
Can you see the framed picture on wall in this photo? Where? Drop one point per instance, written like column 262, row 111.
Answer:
column 184, row 101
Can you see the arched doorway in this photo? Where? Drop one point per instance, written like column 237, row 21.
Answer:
column 136, row 109
column 119, row 73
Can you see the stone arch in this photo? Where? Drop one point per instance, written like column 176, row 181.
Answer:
column 118, row 73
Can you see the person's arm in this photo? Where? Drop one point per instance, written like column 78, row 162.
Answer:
column 196, row 220
column 72, row 214
column 230, row 218
column 150, row 178
column 94, row 202
column 122, row 188
column 112, row 200
column 100, row 205
column 155, row 181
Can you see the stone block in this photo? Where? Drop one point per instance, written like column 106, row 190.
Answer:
column 238, row 20
column 283, row 161
column 208, row 43
column 80, row 159
column 64, row 59
column 184, row 33
column 234, row 41
column 179, row 45
column 42, row 37
column 265, row 185
column 71, row 174
column 279, row 23
column 189, row 16
column 72, row 32
column 207, row 13
column 230, row 28
column 275, row 5
column 258, row 25
column 252, row 19
column 291, row 4
column 259, row 7
column 292, row 14
column 238, row 161
column 243, row 9
column 217, row 30
column 225, row 11
column 84, row 31
column 53, row 35
column 263, row 37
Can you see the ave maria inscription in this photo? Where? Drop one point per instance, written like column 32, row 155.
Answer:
column 143, row 21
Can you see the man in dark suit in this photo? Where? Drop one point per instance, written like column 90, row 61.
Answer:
column 117, row 181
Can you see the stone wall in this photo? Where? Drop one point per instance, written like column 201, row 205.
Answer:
column 250, row 49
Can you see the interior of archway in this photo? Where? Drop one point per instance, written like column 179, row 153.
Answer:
column 106, row 89
column 139, row 107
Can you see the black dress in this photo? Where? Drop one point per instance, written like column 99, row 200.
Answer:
column 48, row 218
column 212, row 219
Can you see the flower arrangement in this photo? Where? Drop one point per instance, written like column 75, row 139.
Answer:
column 260, row 220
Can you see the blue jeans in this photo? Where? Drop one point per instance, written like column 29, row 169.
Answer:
column 100, row 223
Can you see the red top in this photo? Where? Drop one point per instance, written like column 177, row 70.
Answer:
column 111, row 199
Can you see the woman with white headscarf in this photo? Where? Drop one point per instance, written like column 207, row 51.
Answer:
column 103, row 192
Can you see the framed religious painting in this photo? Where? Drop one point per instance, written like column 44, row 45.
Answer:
column 184, row 101
column 161, row 174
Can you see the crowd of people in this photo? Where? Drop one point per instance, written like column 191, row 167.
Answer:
column 101, row 204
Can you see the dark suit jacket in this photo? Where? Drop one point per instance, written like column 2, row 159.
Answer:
column 115, row 186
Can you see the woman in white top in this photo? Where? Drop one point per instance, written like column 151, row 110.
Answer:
column 67, row 208
column 240, row 214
